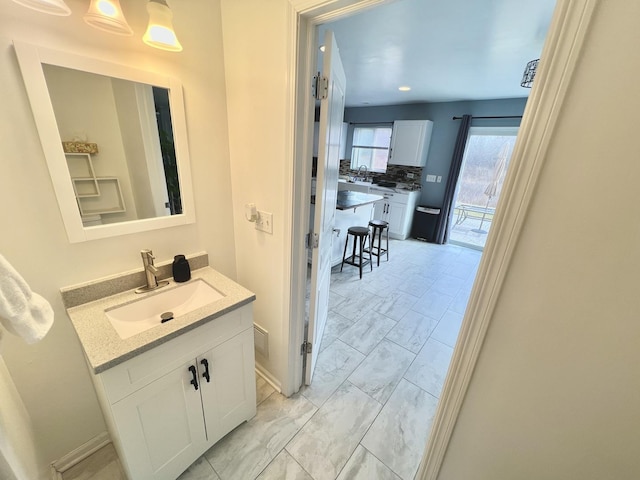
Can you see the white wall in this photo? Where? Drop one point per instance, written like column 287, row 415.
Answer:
column 51, row 376
column 256, row 78
column 556, row 392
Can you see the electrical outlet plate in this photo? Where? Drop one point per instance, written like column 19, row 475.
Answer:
column 264, row 222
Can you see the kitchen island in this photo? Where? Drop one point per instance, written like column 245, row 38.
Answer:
column 348, row 199
column 353, row 209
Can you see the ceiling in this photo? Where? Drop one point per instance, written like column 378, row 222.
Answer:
column 445, row 50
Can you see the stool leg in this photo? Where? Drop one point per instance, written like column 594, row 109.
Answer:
column 344, row 254
column 361, row 243
column 372, row 240
column 379, row 243
column 370, row 247
column 387, row 229
column 353, row 254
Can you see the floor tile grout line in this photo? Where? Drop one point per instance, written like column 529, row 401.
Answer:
column 318, row 409
column 369, row 427
column 375, row 290
column 380, row 460
column 374, row 420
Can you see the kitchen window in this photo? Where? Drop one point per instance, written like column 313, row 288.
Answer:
column 370, row 147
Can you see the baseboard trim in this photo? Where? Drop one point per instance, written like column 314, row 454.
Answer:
column 76, row 456
column 268, row 378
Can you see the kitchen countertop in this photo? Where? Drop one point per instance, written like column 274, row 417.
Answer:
column 104, row 348
column 348, row 199
column 399, row 188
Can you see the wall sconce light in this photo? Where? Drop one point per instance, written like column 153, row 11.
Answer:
column 529, row 73
column 52, row 7
column 107, row 15
column 160, row 32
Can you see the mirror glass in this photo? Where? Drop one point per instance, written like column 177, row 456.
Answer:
column 115, row 143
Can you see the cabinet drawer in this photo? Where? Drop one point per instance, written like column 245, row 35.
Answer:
column 133, row 374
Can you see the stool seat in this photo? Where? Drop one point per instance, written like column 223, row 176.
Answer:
column 358, row 231
column 378, row 226
column 360, row 236
column 378, row 223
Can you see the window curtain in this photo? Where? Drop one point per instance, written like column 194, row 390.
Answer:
column 442, row 229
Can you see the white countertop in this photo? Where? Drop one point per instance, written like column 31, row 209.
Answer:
column 104, row 348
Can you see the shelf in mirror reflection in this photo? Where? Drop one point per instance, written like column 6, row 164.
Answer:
column 137, row 119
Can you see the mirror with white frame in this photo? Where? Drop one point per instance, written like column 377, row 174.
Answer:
column 115, row 142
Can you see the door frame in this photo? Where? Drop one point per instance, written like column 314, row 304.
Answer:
column 561, row 52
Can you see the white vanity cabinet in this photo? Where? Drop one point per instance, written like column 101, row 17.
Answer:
column 167, row 406
column 410, row 141
column 396, row 209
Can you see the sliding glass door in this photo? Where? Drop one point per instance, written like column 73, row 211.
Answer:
column 484, row 165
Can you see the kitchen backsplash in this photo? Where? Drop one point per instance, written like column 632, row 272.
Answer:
column 394, row 173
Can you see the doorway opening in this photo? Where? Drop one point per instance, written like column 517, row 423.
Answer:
column 484, row 166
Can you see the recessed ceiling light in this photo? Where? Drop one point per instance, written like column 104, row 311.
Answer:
column 404, row 88
column 322, row 48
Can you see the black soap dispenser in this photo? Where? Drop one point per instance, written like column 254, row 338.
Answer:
column 181, row 269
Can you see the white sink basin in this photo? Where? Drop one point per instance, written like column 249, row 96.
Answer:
column 140, row 315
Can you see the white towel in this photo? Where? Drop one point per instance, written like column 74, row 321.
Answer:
column 22, row 312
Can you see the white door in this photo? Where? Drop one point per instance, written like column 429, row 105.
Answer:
column 331, row 114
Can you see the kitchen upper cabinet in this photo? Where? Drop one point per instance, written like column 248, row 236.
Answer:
column 410, row 142
column 343, row 139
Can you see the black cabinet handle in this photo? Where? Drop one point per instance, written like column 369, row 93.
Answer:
column 194, row 381
column 206, row 369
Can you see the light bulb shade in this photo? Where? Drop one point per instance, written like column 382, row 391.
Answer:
column 160, row 32
column 52, row 7
column 107, row 15
column 529, row 73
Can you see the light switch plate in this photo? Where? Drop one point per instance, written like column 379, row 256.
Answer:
column 264, row 222
column 431, row 178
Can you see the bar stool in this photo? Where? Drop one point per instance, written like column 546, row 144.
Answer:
column 360, row 235
column 379, row 227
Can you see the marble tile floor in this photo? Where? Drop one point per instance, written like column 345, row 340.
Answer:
column 383, row 359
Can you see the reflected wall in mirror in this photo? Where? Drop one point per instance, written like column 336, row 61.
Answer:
column 124, row 166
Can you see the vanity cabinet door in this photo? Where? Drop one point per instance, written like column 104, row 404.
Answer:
column 161, row 426
column 229, row 394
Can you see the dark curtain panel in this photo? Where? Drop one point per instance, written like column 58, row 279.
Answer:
column 452, row 180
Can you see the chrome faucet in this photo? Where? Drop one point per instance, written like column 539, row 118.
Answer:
column 151, row 272
column 365, row 171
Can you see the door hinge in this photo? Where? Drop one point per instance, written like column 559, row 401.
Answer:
column 306, row 347
column 311, row 240
column 320, row 87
